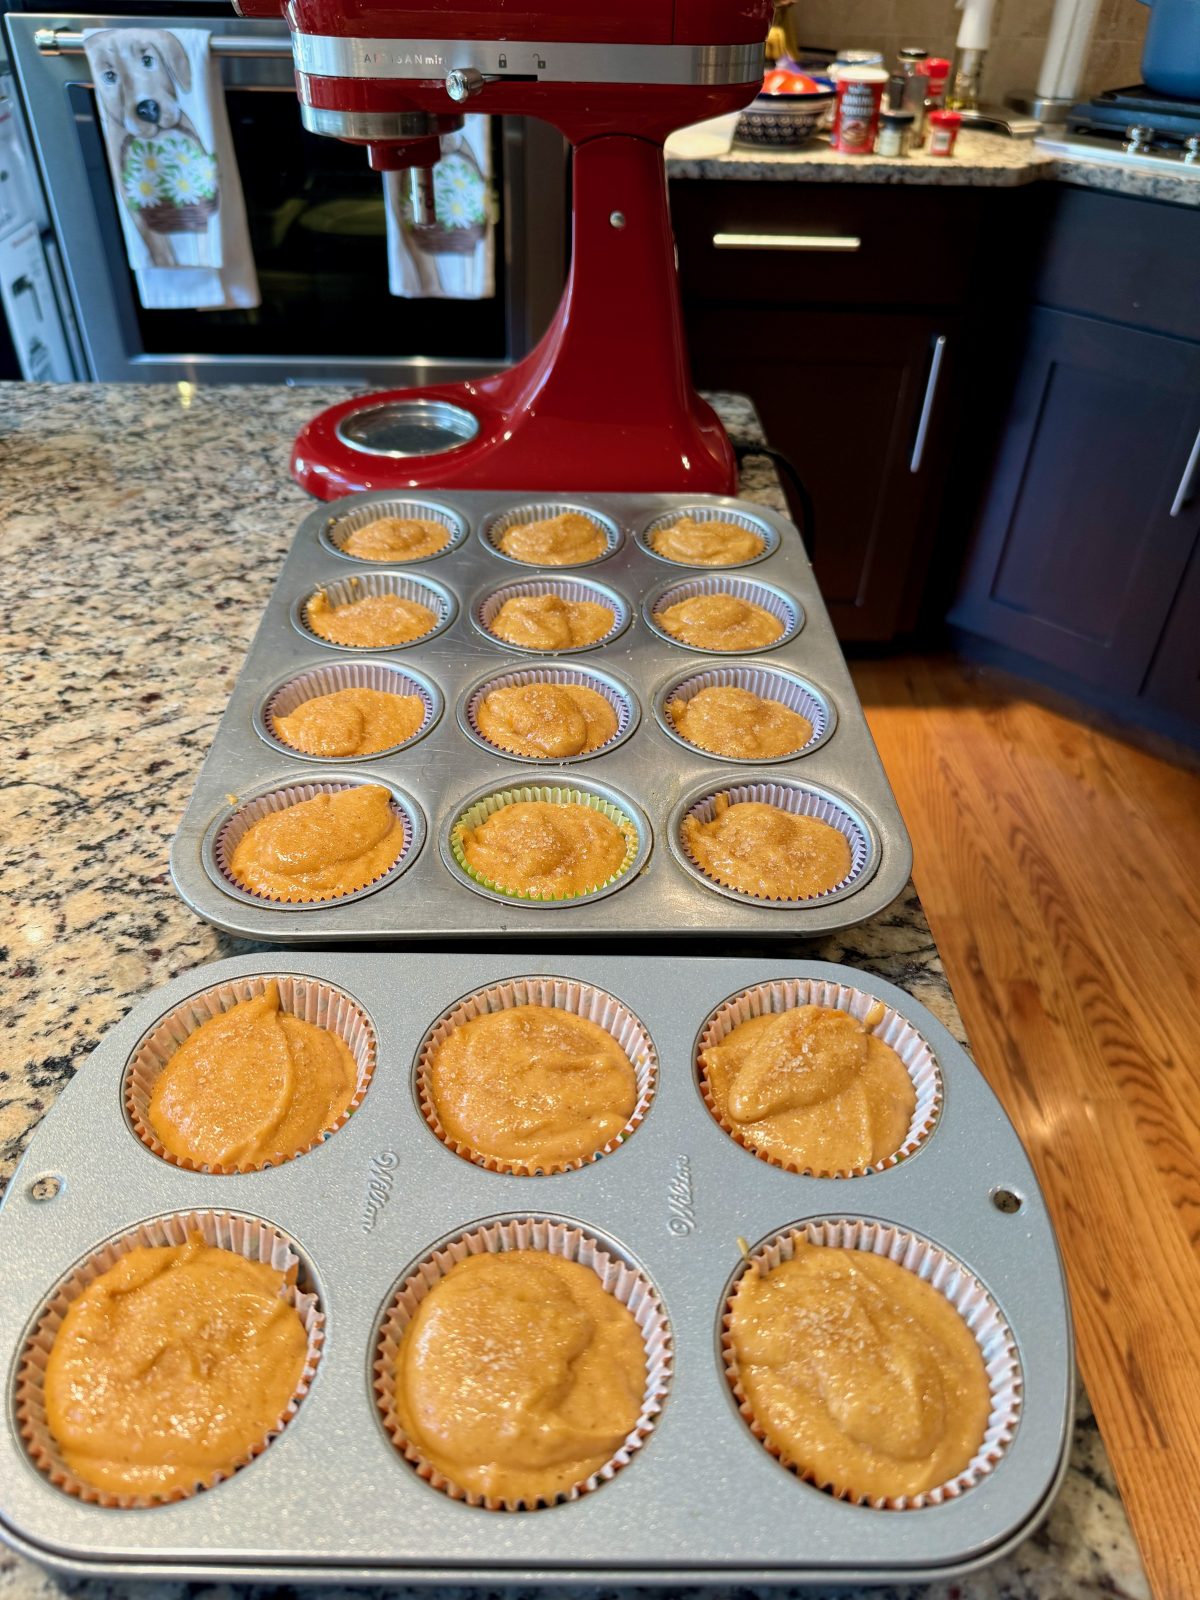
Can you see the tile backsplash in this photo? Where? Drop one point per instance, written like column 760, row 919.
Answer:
column 1018, row 36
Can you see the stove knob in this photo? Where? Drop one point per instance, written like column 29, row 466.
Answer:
column 1191, row 149
column 1138, row 137
column 463, row 82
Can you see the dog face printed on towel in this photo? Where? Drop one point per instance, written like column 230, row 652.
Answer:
column 137, row 72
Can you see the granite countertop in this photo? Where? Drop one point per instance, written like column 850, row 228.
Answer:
column 980, row 160
column 144, row 528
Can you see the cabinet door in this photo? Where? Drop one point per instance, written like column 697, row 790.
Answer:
column 842, row 395
column 1173, row 682
column 1077, row 557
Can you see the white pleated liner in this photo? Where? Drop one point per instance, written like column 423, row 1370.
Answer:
column 234, row 829
column 700, row 513
column 562, row 994
column 788, row 611
column 800, row 802
column 624, row 1282
column 366, row 584
column 480, row 810
column 965, row 1293
column 767, row 999
column 546, row 511
column 310, row 999
column 339, row 528
column 621, row 700
column 566, row 589
column 246, row 1236
column 346, row 675
column 768, row 684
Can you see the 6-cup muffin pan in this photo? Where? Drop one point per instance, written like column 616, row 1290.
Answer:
column 646, row 769
column 676, row 1211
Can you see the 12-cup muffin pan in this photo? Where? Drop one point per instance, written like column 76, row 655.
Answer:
column 332, row 1498
column 646, row 770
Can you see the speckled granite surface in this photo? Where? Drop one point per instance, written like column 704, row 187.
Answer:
column 144, row 527
column 980, row 161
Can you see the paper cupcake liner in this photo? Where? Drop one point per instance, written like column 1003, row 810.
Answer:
column 801, row 800
column 950, row 1278
column 706, row 513
column 341, row 525
column 620, row 698
column 310, row 999
column 629, row 818
column 625, row 1282
column 230, row 827
column 765, row 999
column 423, row 591
column 777, row 601
column 246, row 1236
column 563, row 994
column 485, row 610
column 544, row 511
column 294, row 691
column 769, row 683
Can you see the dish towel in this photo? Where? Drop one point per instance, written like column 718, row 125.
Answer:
column 454, row 257
column 170, row 152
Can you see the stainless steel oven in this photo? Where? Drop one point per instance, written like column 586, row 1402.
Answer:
column 317, row 227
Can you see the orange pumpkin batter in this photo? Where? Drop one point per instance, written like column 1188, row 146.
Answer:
column 707, row 544
column 734, row 722
column 720, row 622
column 548, row 622
column 552, row 720
column 562, row 541
column 812, row 1088
column 859, row 1373
column 532, row 1085
column 251, row 1085
column 172, row 1367
column 372, row 623
column 545, row 851
column 767, row 852
column 351, row 722
column 520, row 1375
column 321, row 848
column 397, row 539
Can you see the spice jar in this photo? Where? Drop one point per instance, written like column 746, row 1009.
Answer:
column 943, row 131
column 895, row 131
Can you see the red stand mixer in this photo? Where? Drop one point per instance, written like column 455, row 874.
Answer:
column 605, row 400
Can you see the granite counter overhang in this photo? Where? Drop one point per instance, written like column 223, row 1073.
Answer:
column 980, row 161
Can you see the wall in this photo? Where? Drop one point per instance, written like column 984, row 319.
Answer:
column 1018, row 36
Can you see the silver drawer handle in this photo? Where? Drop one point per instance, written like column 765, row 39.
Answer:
column 931, row 383
column 69, row 42
column 1184, row 491
column 787, row 241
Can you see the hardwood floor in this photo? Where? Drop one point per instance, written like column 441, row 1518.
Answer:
column 1059, row 863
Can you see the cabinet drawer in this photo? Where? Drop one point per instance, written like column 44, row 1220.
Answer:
column 1127, row 260
column 806, row 244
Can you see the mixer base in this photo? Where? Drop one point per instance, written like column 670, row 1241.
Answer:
column 465, row 436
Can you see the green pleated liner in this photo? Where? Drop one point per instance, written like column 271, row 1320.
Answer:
column 635, row 829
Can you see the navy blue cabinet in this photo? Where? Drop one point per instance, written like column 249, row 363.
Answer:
column 1091, row 510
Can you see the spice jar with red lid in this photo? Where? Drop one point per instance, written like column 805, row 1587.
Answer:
column 943, row 131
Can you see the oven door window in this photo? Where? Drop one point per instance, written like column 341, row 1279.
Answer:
column 316, row 216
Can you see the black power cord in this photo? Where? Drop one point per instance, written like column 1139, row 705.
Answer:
column 787, row 469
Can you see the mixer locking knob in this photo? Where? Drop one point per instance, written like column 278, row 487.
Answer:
column 463, row 82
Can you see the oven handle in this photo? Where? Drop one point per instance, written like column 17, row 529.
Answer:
column 69, row 42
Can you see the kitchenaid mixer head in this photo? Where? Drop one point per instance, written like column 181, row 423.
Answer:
column 605, row 400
